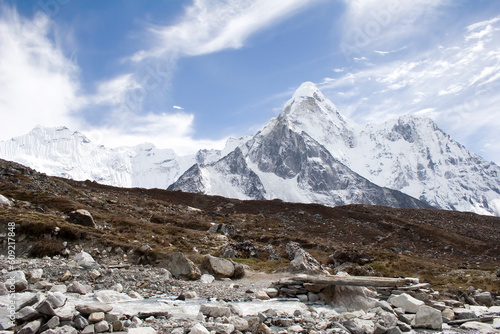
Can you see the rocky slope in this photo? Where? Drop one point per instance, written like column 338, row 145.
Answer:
column 90, row 257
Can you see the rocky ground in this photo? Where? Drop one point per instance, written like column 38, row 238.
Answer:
column 66, row 244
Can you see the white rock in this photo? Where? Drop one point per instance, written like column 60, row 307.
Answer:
column 239, row 323
column 478, row 327
column 262, row 295
column 207, row 278
column 406, row 302
column 198, row 329
column 111, row 296
column 4, row 200
column 142, row 330
column 428, row 317
column 496, row 323
column 271, row 292
column 85, row 260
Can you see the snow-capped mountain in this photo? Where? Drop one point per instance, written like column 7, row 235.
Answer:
column 309, row 153
column 409, row 154
column 66, row 153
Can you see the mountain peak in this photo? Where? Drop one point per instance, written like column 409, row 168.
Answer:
column 308, row 89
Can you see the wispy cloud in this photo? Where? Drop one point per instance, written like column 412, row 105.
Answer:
column 39, row 84
column 209, row 26
column 457, row 84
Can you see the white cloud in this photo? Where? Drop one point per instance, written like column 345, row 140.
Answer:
column 456, row 84
column 376, row 24
column 209, row 26
column 38, row 84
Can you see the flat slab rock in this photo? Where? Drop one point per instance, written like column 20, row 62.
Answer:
column 93, row 307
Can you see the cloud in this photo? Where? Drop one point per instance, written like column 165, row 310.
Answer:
column 39, row 84
column 209, row 26
column 457, row 84
column 369, row 25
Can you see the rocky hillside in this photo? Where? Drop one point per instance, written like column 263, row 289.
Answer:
column 83, row 249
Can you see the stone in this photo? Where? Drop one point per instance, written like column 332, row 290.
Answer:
column 350, row 298
column 484, row 298
column 295, row 329
column 302, row 298
column 253, row 323
column 239, row 324
column 46, row 308
column 215, row 311
column 448, row 314
column 66, row 330
column 394, row 330
column 85, row 260
column 220, row 328
column 18, row 279
column 384, row 305
column 89, row 329
column 463, row 313
column 82, row 217
column 35, row 275
column 379, row 329
column 117, row 287
column 94, row 273
column 56, row 299
column 439, row 306
column 67, row 312
column 207, row 278
column 66, row 276
column 357, row 325
column 31, row 327
column 4, row 200
column 101, row 327
column 301, row 261
column 26, row 314
column 428, row 317
column 3, row 290
column 59, row 287
column 218, row 267
column 478, row 327
column 77, row 287
column 118, row 325
column 96, row 317
column 198, row 329
column 387, row 318
column 51, row 324
column 80, row 322
column 92, row 307
column 262, row 295
column 180, row 266
column 272, row 292
column 24, row 299
column 406, row 302
column 496, row 323
column 43, row 285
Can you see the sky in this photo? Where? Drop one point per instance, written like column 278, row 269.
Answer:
column 188, row 74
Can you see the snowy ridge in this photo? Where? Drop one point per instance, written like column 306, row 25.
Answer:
column 309, row 153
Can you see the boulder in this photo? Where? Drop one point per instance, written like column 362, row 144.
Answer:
column 218, row 267
column 215, row 311
column 180, row 266
column 85, row 260
column 484, row 298
column 428, row 317
column 406, row 302
column 35, row 275
column 301, row 261
column 82, row 217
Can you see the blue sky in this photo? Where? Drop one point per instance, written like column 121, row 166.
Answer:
column 188, row 74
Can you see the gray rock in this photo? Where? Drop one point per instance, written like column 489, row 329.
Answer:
column 85, row 260
column 56, row 299
column 218, row 267
column 64, row 330
column 379, row 329
column 35, row 275
column 3, row 290
column 484, row 298
column 395, row 330
column 240, row 324
column 67, row 312
column 82, row 217
column 31, row 327
column 80, row 322
column 406, row 302
column 301, row 261
column 111, row 296
column 262, row 295
column 101, row 327
column 58, row 288
column 215, row 311
column 96, row 317
column 463, row 313
column 46, row 308
column 51, row 324
column 88, row 330
column 77, row 287
column 27, row 313
column 428, row 317
column 180, row 266
column 24, row 299
column 198, row 329
column 89, row 308
column 18, row 279
column 478, row 327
